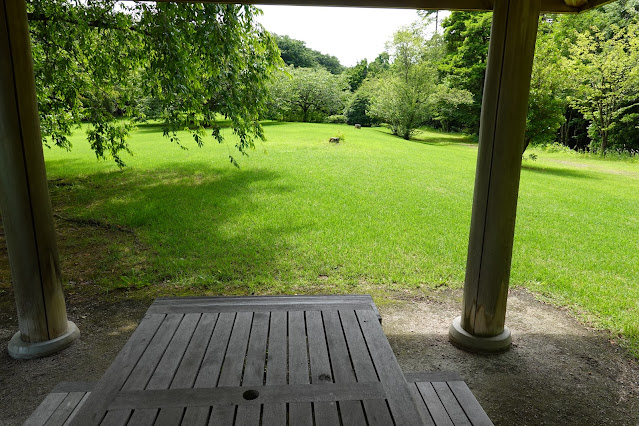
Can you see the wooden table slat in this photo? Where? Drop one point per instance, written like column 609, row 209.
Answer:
column 421, row 405
column 233, row 366
column 256, row 354
column 352, row 412
column 143, row 417
column 233, row 395
column 453, row 408
column 376, row 413
column 94, row 409
column 148, row 364
column 262, row 303
column 402, row 405
column 168, row 364
column 189, row 366
column 194, row 355
column 325, row 413
column 435, row 407
column 196, row 416
column 471, row 407
column 274, row 414
column 209, row 372
column 46, row 409
column 359, row 355
column 77, row 408
column 254, row 368
column 299, row 413
column 222, row 415
column 169, row 416
column 276, row 367
column 116, row 418
column 64, row 410
column 149, row 360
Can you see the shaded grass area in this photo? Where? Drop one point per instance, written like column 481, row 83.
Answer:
column 372, row 214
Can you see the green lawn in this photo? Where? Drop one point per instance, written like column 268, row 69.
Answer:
column 374, row 213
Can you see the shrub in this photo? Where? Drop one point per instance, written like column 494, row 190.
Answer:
column 355, row 112
column 335, row 119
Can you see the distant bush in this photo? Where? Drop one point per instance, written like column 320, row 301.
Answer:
column 335, row 119
column 556, row 147
column 356, row 111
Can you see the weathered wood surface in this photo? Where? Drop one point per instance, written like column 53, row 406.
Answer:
column 329, row 364
column 501, row 141
column 547, row 6
column 59, row 407
column 433, row 392
column 24, row 195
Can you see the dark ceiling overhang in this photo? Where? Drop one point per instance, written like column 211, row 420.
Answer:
column 547, row 6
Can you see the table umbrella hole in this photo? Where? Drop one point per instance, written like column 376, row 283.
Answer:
column 250, row 394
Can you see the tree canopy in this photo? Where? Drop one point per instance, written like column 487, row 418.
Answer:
column 294, row 52
column 584, row 87
column 307, row 94
column 113, row 63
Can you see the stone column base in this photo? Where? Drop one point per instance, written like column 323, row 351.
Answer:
column 19, row 349
column 466, row 341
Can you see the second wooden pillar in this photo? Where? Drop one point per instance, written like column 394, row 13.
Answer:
column 481, row 327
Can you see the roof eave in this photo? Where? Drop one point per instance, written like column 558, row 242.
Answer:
column 547, row 6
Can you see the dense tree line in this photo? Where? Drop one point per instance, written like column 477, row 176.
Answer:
column 584, row 89
column 294, row 52
column 585, row 82
column 112, row 64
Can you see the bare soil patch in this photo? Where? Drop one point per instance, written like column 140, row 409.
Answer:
column 557, row 372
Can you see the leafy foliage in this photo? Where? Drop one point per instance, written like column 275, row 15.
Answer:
column 446, row 104
column 401, row 95
column 549, row 87
column 357, row 111
column 357, row 74
column 103, row 60
column 466, row 37
column 294, row 52
column 380, row 65
column 607, row 73
column 307, row 94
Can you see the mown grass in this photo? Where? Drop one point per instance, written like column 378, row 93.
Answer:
column 373, row 213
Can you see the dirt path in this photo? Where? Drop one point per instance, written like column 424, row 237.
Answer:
column 557, row 372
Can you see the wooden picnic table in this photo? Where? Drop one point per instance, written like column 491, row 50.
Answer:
column 269, row 360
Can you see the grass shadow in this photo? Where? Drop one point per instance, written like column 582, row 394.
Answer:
column 272, row 123
column 560, row 172
column 188, row 224
column 433, row 138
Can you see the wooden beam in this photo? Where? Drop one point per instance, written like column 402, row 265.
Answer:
column 24, row 197
column 546, row 6
column 501, row 138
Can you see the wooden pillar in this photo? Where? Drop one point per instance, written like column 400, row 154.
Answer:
column 24, row 198
column 501, row 135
